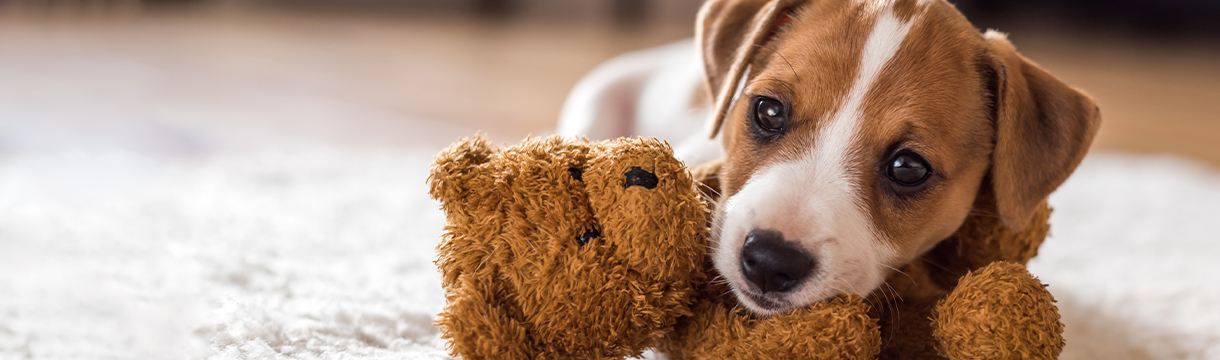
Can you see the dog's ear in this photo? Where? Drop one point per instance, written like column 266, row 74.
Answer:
column 1043, row 130
column 729, row 33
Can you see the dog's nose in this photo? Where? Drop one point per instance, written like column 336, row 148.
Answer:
column 772, row 264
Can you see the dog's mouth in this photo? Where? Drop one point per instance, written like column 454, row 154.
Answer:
column 769, row 304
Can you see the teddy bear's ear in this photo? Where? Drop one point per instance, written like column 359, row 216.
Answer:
column 455, row 167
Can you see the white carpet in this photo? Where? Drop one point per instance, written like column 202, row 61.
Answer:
column 324, row 254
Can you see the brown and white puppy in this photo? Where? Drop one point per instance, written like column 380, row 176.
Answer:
column 857, row 134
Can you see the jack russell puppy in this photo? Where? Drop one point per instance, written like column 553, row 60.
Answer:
column 854, row 135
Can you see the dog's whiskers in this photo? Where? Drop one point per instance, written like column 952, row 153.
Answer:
column 711, row 190
column 894, row 312
column 904, row 273
column 933, row 263
column 892, row 290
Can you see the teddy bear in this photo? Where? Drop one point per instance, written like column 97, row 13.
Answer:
column 563, row 249
column 560, row 248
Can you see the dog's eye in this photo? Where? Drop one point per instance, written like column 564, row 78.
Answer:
column 908, row 169
column 769, row 114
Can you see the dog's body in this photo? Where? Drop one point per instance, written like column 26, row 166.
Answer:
column 656, row 92
column 855, row 134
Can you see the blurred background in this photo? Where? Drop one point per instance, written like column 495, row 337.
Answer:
column 192, row 76
column 235, row 179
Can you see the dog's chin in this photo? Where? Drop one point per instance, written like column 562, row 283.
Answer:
column 773, row 304
column 762, row 304
column 765, row 304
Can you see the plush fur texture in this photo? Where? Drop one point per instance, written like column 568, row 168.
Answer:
column 839, row 328
column 520, row 285
column 998, row 312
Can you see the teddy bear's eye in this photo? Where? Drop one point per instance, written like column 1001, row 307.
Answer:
column 576, row 172
column 587, row 237
column 640, row 177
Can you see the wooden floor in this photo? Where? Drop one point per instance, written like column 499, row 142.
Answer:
column 409, row 79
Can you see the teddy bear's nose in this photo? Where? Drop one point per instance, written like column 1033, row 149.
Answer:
column 772, row 264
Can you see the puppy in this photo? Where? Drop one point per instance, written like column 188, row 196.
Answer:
column 855, row 134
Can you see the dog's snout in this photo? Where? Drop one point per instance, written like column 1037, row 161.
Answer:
column 772, row 264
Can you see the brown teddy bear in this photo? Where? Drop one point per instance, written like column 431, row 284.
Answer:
column 566, row 249
column 573, row 249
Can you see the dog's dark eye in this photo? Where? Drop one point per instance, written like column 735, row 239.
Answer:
column 908, row 169
column 769, row 114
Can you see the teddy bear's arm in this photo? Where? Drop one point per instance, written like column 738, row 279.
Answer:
column 998, row 312
column 479, row 324
column 839, row 328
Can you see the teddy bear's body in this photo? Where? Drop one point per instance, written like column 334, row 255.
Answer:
column 571, row 249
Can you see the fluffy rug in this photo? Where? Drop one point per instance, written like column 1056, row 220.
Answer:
column 327, row 254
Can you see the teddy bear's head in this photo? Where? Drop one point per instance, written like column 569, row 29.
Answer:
column 581, row 249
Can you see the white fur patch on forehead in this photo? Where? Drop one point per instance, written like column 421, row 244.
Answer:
column 817, row 199
column 830, row 165
column 887, row 35
column 840, row 134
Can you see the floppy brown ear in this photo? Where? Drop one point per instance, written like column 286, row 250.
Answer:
column 1043, row 130
column 728, row 33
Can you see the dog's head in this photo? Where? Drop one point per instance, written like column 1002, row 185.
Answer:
column 859, row 133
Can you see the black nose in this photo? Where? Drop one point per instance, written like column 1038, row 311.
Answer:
column 772, row 264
